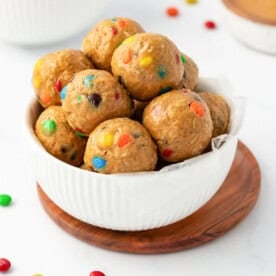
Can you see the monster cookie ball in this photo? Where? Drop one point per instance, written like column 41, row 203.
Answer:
column 147, row 65
column 94, row 96
column 180, row 123
column 190, row 77
column 105, row 37
column 220, row 112
column 57, row 136
column 120, row 145
column 53, row 71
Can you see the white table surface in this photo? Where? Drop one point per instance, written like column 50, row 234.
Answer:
column 34, row 244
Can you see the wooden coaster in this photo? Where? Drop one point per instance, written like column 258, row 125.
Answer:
column 230, row 205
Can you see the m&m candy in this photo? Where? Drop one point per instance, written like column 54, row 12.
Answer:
column 4, row 265
column 5, row 200
column 172, row 11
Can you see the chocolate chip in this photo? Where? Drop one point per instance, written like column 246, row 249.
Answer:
column 136, row 135
column 73, row 156
column 184, row 75
column 121, row 81
column 94, row 99
column 63, row 149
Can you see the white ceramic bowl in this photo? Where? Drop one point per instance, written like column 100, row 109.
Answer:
column 254, row 34
column 135, row 201
column 33, row 22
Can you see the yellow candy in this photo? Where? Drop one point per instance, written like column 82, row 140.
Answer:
column 146, row 61
column 38, row 65
column 106, row 140
column 36, row 82
column 191, row 1
column 129, row 40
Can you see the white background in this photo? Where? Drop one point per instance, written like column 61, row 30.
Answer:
column 34, row 244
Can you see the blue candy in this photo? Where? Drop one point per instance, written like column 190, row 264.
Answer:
column 98, row 162
column 63, row 92
column 88, row 79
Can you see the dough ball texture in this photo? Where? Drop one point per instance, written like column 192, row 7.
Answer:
column 180, row 123
column 102, row 40
column 53, row 71
column 147, row 65
column 58, row 138
column 92, row 97
column 220, row 112
column 120, row 145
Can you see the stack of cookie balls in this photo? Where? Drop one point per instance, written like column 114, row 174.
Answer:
column 125, row 103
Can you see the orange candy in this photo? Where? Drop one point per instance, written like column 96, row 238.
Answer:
column 197, row 108
column 127, row 56
column 124, row 139
column 122, row 23
column 172, row 11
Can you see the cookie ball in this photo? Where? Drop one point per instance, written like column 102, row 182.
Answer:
column 180, row 123
column 85, row 167
column 191, row 72
column 220, row 112
column 94, row 96
column 100, row 43
column 53, row 71
column 147, row 65
column 58, row 138
column 120, row 145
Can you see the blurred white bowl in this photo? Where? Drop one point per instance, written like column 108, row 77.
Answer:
column 257, row 35
column 135, row 201
column 35, row 22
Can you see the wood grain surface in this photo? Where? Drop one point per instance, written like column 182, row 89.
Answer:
column 230, row 205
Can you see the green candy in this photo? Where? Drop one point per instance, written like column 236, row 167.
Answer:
column 183, row 59
column 5, row 200
column 49, row 127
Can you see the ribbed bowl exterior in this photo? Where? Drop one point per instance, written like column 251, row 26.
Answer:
column 30, row 22
column 129, row 202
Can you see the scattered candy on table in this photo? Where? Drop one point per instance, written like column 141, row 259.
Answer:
column 191, row 1
column 5, row 200
column 4, row 265
column 96, row 273
column 172, row 11
column 210, row 24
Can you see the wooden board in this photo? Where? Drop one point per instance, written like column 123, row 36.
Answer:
column 230, row 205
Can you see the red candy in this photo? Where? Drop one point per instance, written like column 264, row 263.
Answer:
column 4, row 264
column 210, row 24
column 114, row 31
column 177, row 57
column 167, row 152
column 58, row 85
column 96, row 273
column 117, row 95
column 172, row 11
